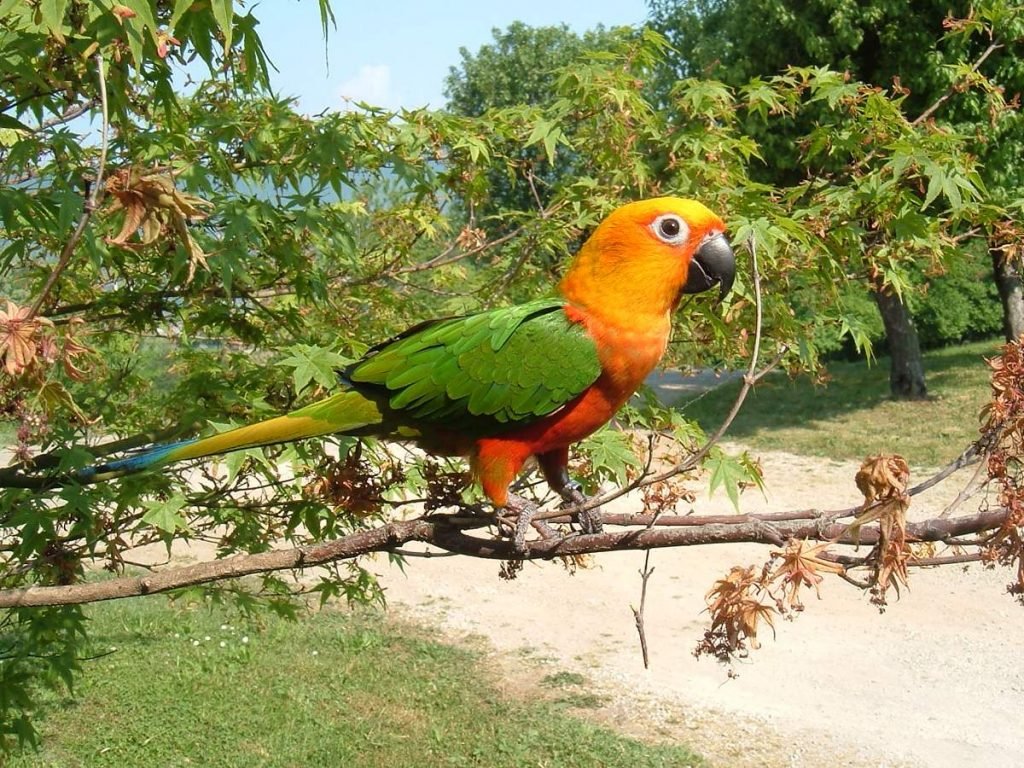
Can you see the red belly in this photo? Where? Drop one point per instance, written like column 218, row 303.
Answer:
column 498, row 460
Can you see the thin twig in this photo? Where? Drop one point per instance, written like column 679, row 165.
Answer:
column 69, row 114
column 992, row 48
column 967, row 457
column 970, row 489
column 530, row 179
column 90, row 204
column 638, row 613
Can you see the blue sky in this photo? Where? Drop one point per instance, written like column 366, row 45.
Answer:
column 397, row 54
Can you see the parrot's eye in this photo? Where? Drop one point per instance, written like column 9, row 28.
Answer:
column 670, row 229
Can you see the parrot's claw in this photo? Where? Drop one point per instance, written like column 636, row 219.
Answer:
column 523, row 513
column 572, row 496
column 520, row 515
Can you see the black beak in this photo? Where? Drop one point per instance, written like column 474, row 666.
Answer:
column 714, row 262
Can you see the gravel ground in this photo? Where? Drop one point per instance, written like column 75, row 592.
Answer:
column 934, row 681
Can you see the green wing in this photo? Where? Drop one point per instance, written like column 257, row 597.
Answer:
column 503, row 367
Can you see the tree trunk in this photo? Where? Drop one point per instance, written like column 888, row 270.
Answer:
column 1011, row 292
column 906, row 374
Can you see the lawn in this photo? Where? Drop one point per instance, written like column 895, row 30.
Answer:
column 853, row 416
column 204, row 687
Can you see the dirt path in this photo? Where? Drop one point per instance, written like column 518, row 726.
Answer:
column 935, row 681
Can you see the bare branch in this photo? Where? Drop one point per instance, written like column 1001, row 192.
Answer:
column 994, row 46
column 90, row 204
column 638, row 613
column 373, row 540
column 73, row 111
column 970, row 455
column 448, row 534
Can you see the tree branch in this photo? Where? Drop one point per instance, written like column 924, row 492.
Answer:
column 994, row 46
column 638, row 613
column 72, row 111
column 448, row 534
column 90, row 204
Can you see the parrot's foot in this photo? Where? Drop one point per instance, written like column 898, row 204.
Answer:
column 520, row 514
column 521, row 518
column 572, row 496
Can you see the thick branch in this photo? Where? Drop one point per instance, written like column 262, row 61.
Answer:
column 441, row 532
column 373, row 540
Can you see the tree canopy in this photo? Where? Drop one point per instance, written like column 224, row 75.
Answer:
column 174, row 260
column 957, row 63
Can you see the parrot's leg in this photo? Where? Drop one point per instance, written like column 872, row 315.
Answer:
column 555, row 466
column 497, row 467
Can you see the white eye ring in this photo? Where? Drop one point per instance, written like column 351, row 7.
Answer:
column 671, row 229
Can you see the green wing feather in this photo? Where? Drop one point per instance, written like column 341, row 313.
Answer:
column 479, row 373
column 505, row 367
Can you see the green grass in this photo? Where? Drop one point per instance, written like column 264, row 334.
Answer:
column 183, row 689
column 853, row 415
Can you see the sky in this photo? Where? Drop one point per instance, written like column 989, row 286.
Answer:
column 397, row 53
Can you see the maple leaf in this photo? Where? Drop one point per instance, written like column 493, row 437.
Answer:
column 883, row 481
column 74, row 349
column 882, row 477
column 154, row 208
column 802, row 566
column 736, row 612
column 18, row 343
column 164, row 42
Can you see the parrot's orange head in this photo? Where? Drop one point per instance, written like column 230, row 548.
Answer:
column 645, row 255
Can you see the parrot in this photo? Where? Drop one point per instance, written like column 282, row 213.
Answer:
column 504, row 386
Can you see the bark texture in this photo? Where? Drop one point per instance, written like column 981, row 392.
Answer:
column 906, row 372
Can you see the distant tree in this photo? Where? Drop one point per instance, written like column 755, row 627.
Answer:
column 891, row 44
column 520, row 69
column 521, row 66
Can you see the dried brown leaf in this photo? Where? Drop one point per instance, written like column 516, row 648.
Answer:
column 18, row 337
column 736, row 612
column 802, row 566
column 153, row 209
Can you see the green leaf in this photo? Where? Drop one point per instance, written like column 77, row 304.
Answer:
column 727, row 473
column 165, row 514
column 547, row 132
column 51, row 12
column 180, row 6
column 234, row 461
column 313, row 364
column 936, row 181
column 143, row 14
column 6, row 6
column 327, row 19
column 224, row 14
column 611, row 454
column 9, row 123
